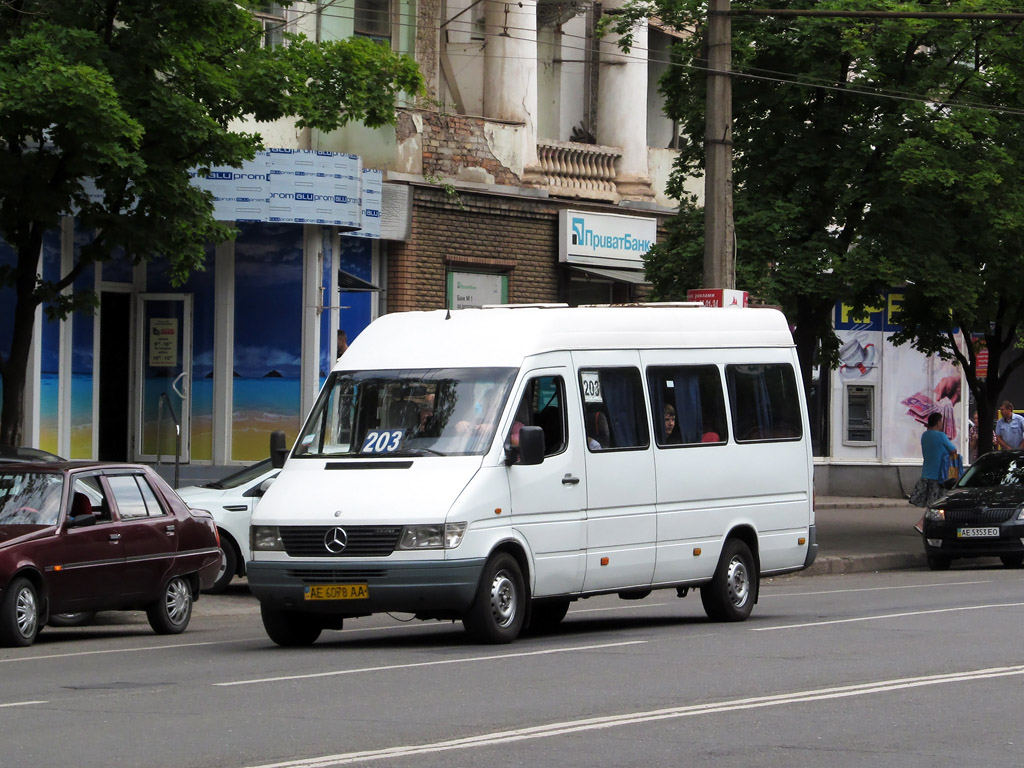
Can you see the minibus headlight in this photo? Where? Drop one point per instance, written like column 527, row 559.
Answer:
column 265, row 538
column 935, row 514
column 447, row 536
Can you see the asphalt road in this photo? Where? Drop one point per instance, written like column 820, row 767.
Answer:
column 900, row 669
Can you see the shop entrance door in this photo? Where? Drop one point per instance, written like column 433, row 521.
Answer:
column 164, row 380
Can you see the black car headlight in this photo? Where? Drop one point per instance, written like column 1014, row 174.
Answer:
column 935, row 513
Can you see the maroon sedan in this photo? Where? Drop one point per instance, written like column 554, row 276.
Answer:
column 79, row 537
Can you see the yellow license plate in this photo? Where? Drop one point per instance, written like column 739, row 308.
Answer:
column 337, row 592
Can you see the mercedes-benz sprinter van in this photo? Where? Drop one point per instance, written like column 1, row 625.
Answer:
column 493, row 465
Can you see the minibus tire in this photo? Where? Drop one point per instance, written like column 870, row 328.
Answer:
column 497, row 613
column 289, row 628
column 729, row 596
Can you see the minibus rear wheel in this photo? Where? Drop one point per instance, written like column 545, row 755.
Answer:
column 497, row 612
column 730, row 594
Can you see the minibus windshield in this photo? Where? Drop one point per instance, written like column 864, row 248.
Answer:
column 431, row 412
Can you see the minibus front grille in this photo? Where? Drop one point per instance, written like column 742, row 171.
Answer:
column 326, row 576
column 326, row 541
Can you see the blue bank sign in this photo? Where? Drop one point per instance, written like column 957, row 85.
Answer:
column 605, row 239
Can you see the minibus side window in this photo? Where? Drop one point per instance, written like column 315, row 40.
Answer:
column 543, row 405
column 764, row 402
column 687, row 405
column 613, row 408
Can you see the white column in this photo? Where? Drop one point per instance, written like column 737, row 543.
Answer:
column 622, row 109
column 223, row 350
column 510, row 68
column 311, row 303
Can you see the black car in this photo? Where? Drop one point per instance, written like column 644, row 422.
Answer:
column 981, row 516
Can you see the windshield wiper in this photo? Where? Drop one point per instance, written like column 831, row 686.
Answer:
column 422, row 451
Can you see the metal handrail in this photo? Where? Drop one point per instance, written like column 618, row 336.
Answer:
column 177, row 435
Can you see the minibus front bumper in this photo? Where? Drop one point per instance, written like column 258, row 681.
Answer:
column 423, row 587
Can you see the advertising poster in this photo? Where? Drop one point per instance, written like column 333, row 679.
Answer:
column 907, row 385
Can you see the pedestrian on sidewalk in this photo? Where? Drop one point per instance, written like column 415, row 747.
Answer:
column 935, row 445
column 1009, row 428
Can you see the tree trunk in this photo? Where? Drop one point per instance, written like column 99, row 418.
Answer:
column 14, row 370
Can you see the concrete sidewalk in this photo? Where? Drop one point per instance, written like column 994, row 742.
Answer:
column 857, row 534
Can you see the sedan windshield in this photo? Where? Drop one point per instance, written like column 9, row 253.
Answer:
column 995, row 469
column 30, row 498
column 440, row 411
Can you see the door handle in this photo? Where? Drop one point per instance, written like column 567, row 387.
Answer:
column 569, row 479
column 174, row 384
column 115, row 537
column 169, row 529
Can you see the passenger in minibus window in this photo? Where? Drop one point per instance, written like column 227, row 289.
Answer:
column 672, row 435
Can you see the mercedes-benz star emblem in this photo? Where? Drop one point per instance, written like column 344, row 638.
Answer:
column 335, row 540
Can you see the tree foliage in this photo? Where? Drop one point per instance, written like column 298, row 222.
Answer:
column 106, row 105
column 860, row 158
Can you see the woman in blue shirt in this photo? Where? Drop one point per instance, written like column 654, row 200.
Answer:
column 934, row 447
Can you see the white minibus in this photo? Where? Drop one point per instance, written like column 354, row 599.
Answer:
column 493, row 465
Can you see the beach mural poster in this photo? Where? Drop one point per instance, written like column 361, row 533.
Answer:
column 268, row 338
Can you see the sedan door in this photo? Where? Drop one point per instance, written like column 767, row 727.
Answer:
column 84, row 563
column 148, row 531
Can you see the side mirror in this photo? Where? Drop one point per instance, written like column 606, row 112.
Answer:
column 278, row 449
column 531, row 445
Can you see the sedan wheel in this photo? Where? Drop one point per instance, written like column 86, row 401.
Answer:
column 19, row 614
column 171, row 613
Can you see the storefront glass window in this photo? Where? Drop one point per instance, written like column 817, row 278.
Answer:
column 268, row 337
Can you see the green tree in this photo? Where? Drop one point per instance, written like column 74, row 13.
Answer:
column 106, row 105
column 830, row 118
column 956, row 231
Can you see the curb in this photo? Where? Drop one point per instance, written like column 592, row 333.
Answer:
column 889, row 561
column 862, row 504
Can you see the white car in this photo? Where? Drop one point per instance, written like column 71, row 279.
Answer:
column 231, row 501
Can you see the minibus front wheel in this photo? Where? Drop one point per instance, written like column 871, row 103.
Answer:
column 290, row 628
column 498, row 610
column 729, row 596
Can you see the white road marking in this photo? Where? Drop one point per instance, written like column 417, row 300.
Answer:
column 436, row 662
column 123, row 650
column 654, row 715
column 22, row 703
column 872, row 589
column 881, row 616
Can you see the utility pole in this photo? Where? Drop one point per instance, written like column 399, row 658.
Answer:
column 719, row 231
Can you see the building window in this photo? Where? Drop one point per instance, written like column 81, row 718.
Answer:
column 273, row 20
column 373, row 20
